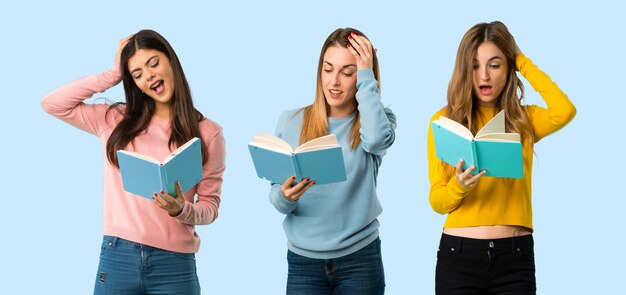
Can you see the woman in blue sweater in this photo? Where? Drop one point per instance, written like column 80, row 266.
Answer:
column 333, row 228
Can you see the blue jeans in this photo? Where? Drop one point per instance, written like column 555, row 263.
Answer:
column 131, row 268
column 358, row 273
column 476, row 266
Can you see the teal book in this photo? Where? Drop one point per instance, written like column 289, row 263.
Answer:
column 320, row 159
column 144, row 176
column 492, row 149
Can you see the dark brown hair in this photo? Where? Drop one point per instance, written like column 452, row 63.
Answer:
column 140, row 107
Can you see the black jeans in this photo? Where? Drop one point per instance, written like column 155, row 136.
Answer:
column 476, row 266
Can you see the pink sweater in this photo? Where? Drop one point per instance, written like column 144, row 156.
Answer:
column 126, row 215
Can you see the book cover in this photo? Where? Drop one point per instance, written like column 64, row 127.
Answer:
column 319, row 159
column 143, row 176
column 492, row 149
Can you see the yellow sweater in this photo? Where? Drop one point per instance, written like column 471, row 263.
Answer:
column 499, row 201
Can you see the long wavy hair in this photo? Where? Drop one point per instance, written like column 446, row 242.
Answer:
column 462, row 100
column 140, row 107
column 315, row 116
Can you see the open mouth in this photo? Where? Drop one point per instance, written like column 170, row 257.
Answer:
column 158, row 87
column 334, row 93
column 485, row 89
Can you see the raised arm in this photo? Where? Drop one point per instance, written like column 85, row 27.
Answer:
column 560, row 109
column 66, row 102
column 377, row 122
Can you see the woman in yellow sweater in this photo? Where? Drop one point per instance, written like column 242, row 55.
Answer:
column 487, row 245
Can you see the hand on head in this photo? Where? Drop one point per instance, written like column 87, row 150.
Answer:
column 517, row 50
column 118, row 54
column 361, row 48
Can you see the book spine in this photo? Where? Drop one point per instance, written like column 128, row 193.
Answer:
column 475, row 157
column 296, row 168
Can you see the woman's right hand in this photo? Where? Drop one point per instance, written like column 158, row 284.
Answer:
column 116, row 65
column 465, row 178
column 293, row 193
column 362, row 49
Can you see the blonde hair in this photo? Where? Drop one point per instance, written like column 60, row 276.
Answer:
column 315, row 116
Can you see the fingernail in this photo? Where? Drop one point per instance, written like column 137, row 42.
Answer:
column 352, row 33
column 307, row 179
column 313, row 182
column 293, row 178
column 350, row 37
column 163, row 192
column 349, row 45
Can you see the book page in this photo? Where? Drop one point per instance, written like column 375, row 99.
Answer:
column 513, row 137
column 271, row 142
column 316, row 148
column 455, row 127
column 140, row 156
column 319, row 143
column 495, row 125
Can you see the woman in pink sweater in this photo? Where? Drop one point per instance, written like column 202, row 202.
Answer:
column 148, row 245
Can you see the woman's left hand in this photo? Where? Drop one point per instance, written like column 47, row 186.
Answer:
column 362, row 50
column 173, row 205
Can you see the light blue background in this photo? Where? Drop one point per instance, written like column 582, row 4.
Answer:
column 246, row 63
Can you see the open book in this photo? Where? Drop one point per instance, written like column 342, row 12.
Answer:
column 319, row 159
column 144, row 176
column 492, row 149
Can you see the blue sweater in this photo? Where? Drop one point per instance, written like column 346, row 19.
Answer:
column 338, row 219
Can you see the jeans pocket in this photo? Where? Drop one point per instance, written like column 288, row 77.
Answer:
column 107, row 244
column 527, row 253
column 445, row 252
column 183, row 256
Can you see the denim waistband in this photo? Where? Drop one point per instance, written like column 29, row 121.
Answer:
column 513, row 243
column 117, row 242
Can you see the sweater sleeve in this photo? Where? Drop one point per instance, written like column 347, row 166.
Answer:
column 209, row 189
column 377, row 122
column 66, row 102
column 445, row 194
column 560, row 109
column 276, row 197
